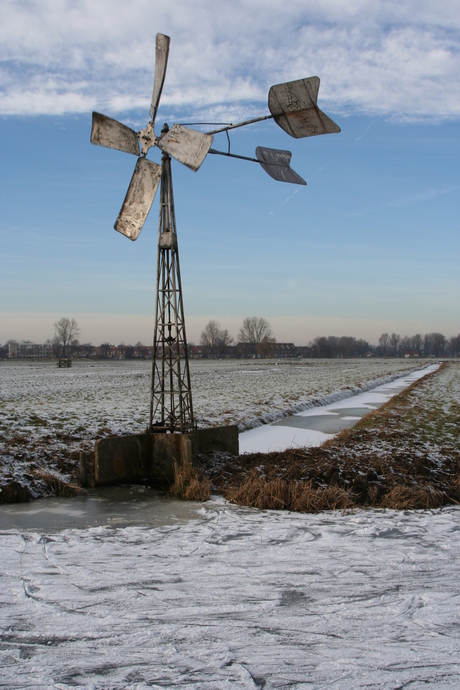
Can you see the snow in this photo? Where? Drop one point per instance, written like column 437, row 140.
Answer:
column 39, row 400
column 123, row 589
column 301, row 430
column 234, row 598
column 49, row 415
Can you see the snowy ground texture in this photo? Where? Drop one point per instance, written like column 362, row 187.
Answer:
column 235, row 598
column 48, row 415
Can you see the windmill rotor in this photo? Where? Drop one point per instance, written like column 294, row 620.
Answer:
column 292, row 105
column 188, row 146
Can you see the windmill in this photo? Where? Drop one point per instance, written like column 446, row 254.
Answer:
column 293, row 106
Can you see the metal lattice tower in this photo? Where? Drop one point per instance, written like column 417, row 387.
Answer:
column 171, row 396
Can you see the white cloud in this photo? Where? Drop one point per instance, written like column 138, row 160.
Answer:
column 400, row 58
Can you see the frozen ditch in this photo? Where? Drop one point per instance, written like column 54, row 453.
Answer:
column 315, row 425
column 235, row 598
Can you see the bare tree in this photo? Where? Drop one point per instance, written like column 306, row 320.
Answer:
column 454, row 345
column 256, row 331
column 224, row 341
column 210, row 336
column 395, row 340
column 416, row 342
column 405, row 344
column 384, row 341
column 434, row 344
column 65, row 331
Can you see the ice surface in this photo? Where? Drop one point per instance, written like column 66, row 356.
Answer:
column 268, row 438
column 314, row 426
column 236, row 598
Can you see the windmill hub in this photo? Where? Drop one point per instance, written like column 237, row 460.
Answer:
column 147, row 138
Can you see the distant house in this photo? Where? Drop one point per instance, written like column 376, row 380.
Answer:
column 197, row 352
column 29, row 350
column 283, row 351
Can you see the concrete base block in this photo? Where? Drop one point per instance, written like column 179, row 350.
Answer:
column 151, row 456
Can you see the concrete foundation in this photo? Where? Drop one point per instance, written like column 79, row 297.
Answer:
column 151, row 457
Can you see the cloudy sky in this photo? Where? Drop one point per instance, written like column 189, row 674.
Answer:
column 370, row 245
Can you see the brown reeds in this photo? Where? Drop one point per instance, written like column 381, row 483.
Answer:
column 410, row 498
column 280, row 494
column 189, row 485
column 57, row 483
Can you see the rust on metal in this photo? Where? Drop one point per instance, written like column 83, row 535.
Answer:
column 113, row 134
column 139, row 198
column 186, row 145
column 293, row 107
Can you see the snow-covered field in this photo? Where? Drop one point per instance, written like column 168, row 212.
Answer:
column 235, row 598
column 48, row 415
column 38, row 398
column 152, row 593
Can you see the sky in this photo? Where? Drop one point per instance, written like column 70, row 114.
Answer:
column 370, row 245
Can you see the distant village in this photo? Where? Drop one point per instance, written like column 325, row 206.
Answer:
column 430, row 345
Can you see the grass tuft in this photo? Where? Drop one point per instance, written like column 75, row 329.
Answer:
column 57, row 483
column 280, row 494
column 189, row 485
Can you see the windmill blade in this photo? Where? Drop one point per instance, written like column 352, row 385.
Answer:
column 293, row 107
column 115, row 135
column 161, row 61
column 139, row 198
column 186, row 145
column 277, row 164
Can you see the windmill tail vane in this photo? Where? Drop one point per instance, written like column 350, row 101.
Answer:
column 293, row 106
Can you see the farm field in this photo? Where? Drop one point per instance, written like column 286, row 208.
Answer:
column 48, row 414
column 405, row 454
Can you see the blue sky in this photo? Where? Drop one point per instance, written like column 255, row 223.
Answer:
column 370, row 245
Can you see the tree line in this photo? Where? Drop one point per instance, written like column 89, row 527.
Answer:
column 430, row 344
column 389, row 345
column 255, row 335
column 255, row 339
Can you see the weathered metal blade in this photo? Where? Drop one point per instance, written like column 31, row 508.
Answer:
column 294, row 109
column 115, row 135
column 277, row 164
column 161, row 61
column 139, row 198
column 186, row 145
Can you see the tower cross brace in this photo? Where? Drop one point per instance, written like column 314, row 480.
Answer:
column 171, row 408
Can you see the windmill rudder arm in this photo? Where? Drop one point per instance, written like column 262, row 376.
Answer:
column 241, row 124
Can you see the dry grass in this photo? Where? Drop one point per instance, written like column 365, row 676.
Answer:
column 189, row 485
column 281, row 494
column 410, row 498
column 57, row 483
